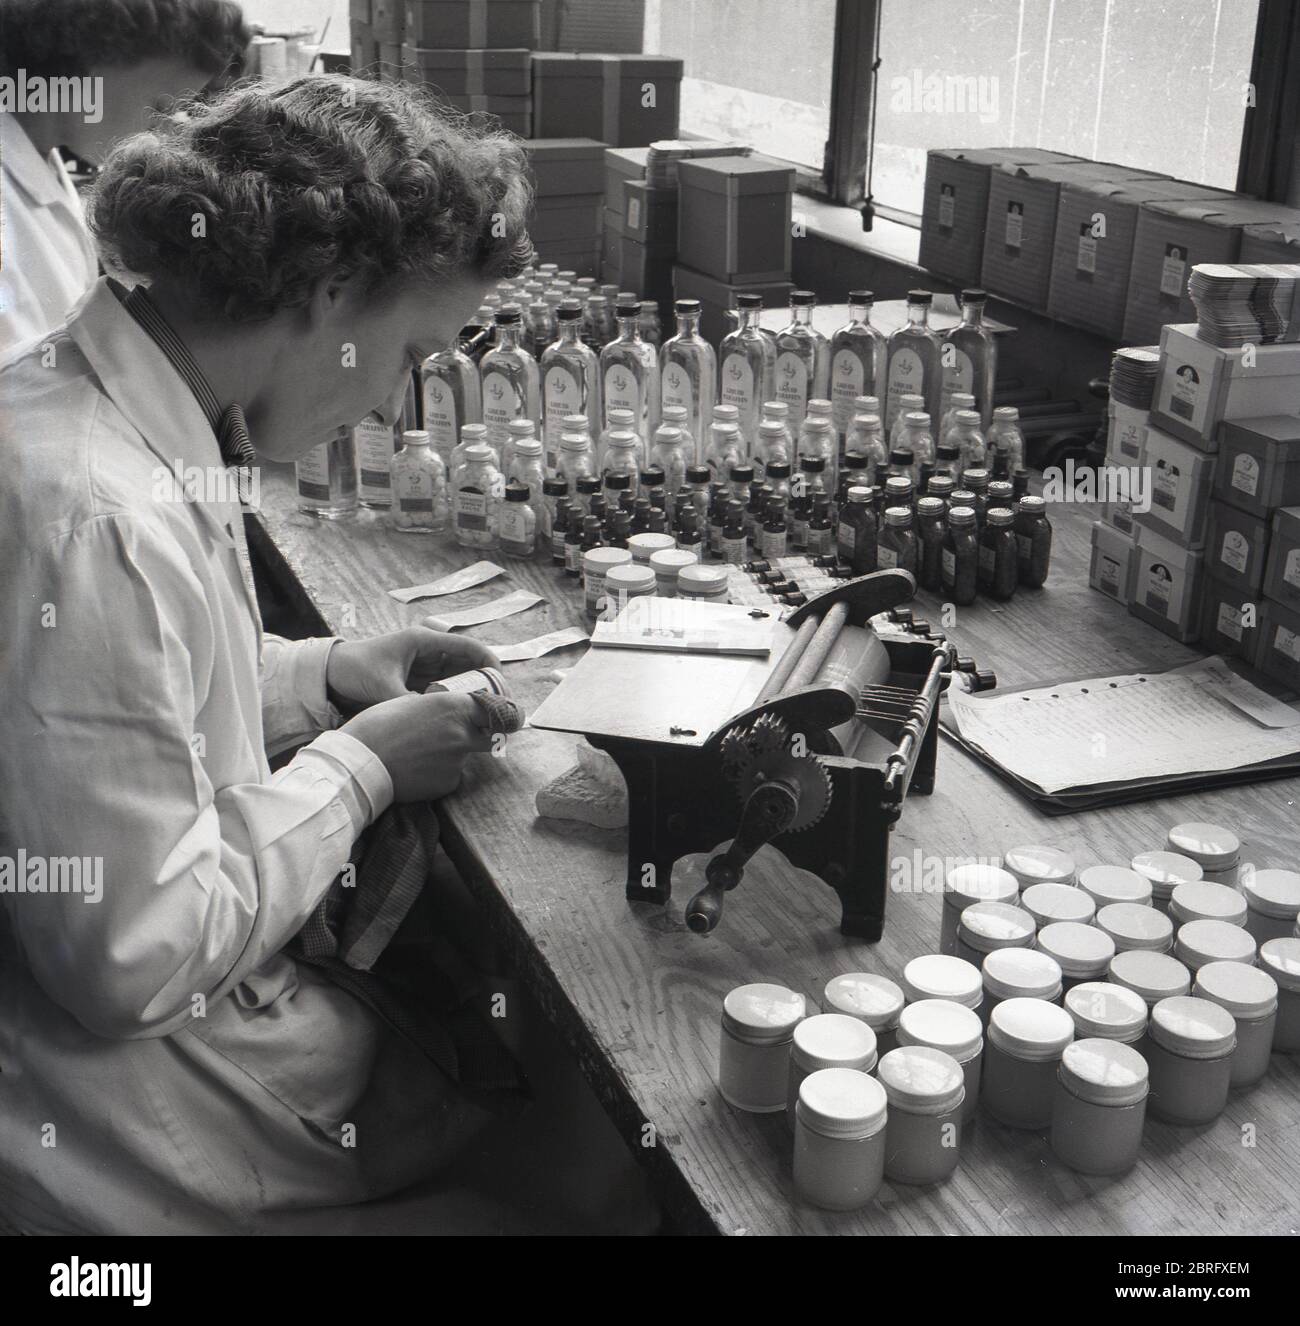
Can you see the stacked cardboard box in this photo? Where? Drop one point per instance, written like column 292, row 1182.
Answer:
column 498, row 82
column 472, row 24
column 624, row 100
column 1277, row 241
column 622, row 164
column 568, row 183
column 365, row 48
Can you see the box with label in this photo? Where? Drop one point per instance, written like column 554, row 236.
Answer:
column 1166, row 586
column 650, row 215
column 1273, row 241
column 567, row 217
column 567, row 166
column 473, row 24
column 1171, row 238
column 1229, row 620
column 956, row 205
column 622, row 164
column 1259, row 461
column 1236, row 547
column 1278, row 653
column 632, row 99
column 1126, row 430
column 733, row 219
column 1198, row 384
column 1119, row 516
column 718, row 299
column 506, row 72
column 1282, row 573
column 1179, row 479
column 1111, row 569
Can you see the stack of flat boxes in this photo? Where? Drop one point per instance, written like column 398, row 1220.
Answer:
column 624, row 165
column 568, row 178
column 376, row 30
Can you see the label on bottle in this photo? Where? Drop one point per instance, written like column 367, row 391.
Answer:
column 503, row 401
column 737, row 379
column 1173, row 271
column 947, row 206
column 1015, row 227
column 374, row 443
column 1245, row 474
column 622, row 392
column 1086, row 259
column 949, row 564
column 773, row 544
column 1235, row 551
column 958, row 372
column 573, row 557
column 677, row 390
column 733, row 548
column 471, row 509
column 557, row 541
column 792, row 385
column 846, row 540
column 514, row 524
column 313, row 473
column 562, row 395
column 906, row 378
column 440, row 420
column 415, row 505
column 886, row 557
column 848, row 381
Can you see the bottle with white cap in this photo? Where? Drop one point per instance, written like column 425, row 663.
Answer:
column 1135, row 925
column 954, row 1029
column 758, row 1022
column 968, row 884
column 1200, row 900
column 1272, row 902
column 839, row 1139
column 1048, row 902
column 925, row 1089
column 1189, row 1052
column 938, row 976
column 1165, row 870
column 1199, row 942
column 1082, row 951
column 1281, row 959
column 1099, row 1106
column 986, row 926
column 1025, row 1042
column 1154, row 976
column 827, row 1040
column 1107, row 884
column 1250, row 995
column 875, row 1000
column 1104, row 1010
column 1019, row 973
column 1040, row 865
column 1215, row 849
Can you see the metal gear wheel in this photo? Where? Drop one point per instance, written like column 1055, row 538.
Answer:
column 762, row 752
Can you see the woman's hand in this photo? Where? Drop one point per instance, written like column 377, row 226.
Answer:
column 366, row 672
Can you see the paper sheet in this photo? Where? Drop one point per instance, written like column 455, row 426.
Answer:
column 689, row 626
column 466, row 578
column 539, row 645
column 520, row 600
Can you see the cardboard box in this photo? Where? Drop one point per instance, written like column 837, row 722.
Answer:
column 1229, row 620
column 483, row 73
column 632, row 99
column 1166, row 585
column 648, row 269
column 611, row 257
column 1282, row 572
column 719, row 298
column 734, row 218
column 1236, row 548
column 1180, row 479
column 1126, row 430
column 567, row 166
column 615, row 223
column 1278, row 652
column 1259, row 462
column 956, row 205
column 388, row 20
column 1198, row 385
column 582, row 257
column 514, row 113
column 567, row 218
column 390, row 65
column 359, row 11
column 473, row 24
column 1111, row 567
column 365, row 49
column 1272, row 241
column 1119, row 517
column 650, row 215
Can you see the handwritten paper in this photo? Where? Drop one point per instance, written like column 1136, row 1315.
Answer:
column 539, row 645
column 520, row 600
column 466, row 578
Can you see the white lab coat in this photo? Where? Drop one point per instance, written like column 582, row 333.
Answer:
column 165, row 1066
column 47, row 257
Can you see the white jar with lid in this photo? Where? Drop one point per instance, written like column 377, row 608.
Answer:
column 1273, row 902
column 758, row 1022
column 1025, row 1042
column 1099, row 1106
column 1281, row 959
column 875, row 1000
column 1135, row 925
column 1019, row 973
column 969, row 884
column 839, row 1139
column 827, row 1040
column 1040, row 865
column 954, row 1029
column 1165, row 870
column 1201, row 900
column 1047, row 903
column 1154, row 976
column 1107, row 884
column 1082, row 951
column 925, row 1089
column 627, row 581
column 986, row 926
column 1250, row 995
column 1106, row 1011
column 939, row 976
column 1199, row 942
column 596, row 563
column 644, row 546
column 703, row 582
column 1189, row 1052
column 666, row 564
column 1215, row 849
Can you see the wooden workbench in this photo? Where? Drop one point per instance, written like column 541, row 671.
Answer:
column 638, row 995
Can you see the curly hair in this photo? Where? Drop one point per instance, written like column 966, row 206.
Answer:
column 69, row 38
column 249, row 201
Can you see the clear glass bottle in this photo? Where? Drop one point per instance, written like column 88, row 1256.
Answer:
column 518, row 523
column 915, row 363
column 472, row 435
column 452, row 398
column 517, row 431
column 598, row 327
column 629, row 370
column 509, row 378
column 965, row 434
column 419, row 485
column 970, row 356
column 540, row 327
column 669, row 452
column 803, row 358
column 375, row 445
column 476, row 499
column 725, row 448
column 617, row 420
column 908, row 404
column 623, row 456
column 651, row 329
column 528, row 467
column 866, row 437
column 957, row 400
column 327, row 478
column 577, row 455
column 747, row 368
column 570, row 374
column 688, row 373
column 817, row 438
column 858, row 352
column 1006, row 443
column 772, row 445
column 917, row 438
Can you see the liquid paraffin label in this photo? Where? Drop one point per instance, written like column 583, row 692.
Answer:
column 961, row 375
column 1173, row 271
column 313, row 473
column 440, row 420
column 1235, row 551
column 677, row 390
column 848, row 381
column 1245, row 474
column 737, row 378
column 792, row 384
column 374, row 442
column 622, row 392
column 563, row 395
column 906, row 378
column 503, row 401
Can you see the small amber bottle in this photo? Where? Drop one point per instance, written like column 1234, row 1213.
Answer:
column 930, row 515
column 896, row 542
column 959, row 563
column 856, row 537
column 1033, row 542
column 997, row 573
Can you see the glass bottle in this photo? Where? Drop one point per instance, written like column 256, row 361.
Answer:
column 957, row 400
column 557, row 504
column 977, row 481
column 896, row 541
column 726, row 447
column 452, row 398
column 598, row 327
column 803, row 357
column 779, row 479
column 540, row 327
column 915, row 366
column 941, row 485
column 1006, row 441
column 509, row 378
column 419, row 485
column 740, row 479
column 472, row 435
column 617, row 420
column 907, row 405
column 688, row 373
column 518, row 521
column 902, row 462
column 970, row 356
column 574, row 526
column 577, row 456
column 689, row 537
column 517, row 431
column 930, row 521
column 1033, row 542
column 733, row 532
column 669, row 453
column 570, row 375
column 866, row 437
column 651, row 329
column 623, row 456
column 476, row 499
column 965, row 434
column 326, row 477
column 817, row 438
column 858, row 352
column 997, row 571
column 820, row 538
column 629, row 371
column 747, row 368
column 959, row 563
column 917, row 438
column 527, row 467
column 809, row 484
column 774, row 533
column 855, row 472
column 376, row 444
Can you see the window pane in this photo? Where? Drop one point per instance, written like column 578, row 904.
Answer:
column 1153, row 83
column 759, row 70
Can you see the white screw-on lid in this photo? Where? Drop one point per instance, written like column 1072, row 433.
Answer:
column 1199, row 942
column 667, row 562
column 1211, row 846
column 1154, row 976
column 644, row 546
column 1273, row 893
column 1082, row 950
column 1100, row 1008
column 1282, row 958
column 1203, row 900
column 631, row 576
column 938, row 976
column 702, row 579
column 942, row 1025
column 601, row 559
column 1030, row 1029
column 833, row 1040
column 1246, row 992
column 876, row 1000
column 1165, row 870
column 762, row 1012
column 1040, row 865
column 974, row 883
column 1105, row 1072
column 841, row 1102
column 1014, row 972
column 1058, row 902
column 1192, row 1027
column 921, row 1079
column 1108, row 884
column 1135, row 925
column 985, row 926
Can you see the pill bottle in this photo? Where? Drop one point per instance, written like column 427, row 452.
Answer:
column 827, row 1040
column 1215, row 849
column 1281, row 959
column 1165, row 870
column 954, row 1029
column 1189, row 1052
column 624, row 582
column 1057, row 902
column 596, row 563
column 644, row 546
column 986, row 926
column 875, row 1000
column 939, row 976
column 1250, row 995
column 1025, row 1042
column 702, row 582
column 1154, row 976
column 925, row 1089
column 758, row 1022
column 1108, row 1011
column 1107, row 884
column 839, row 1139
column 1040, row 865
column 1019, row 973
column 1082, row 951
column 1099, row 1106
column 666, row 564
column 1199, row 942
column 1135, row 925
column 1199, row 900
column 969, row 884
column 1273, row 902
